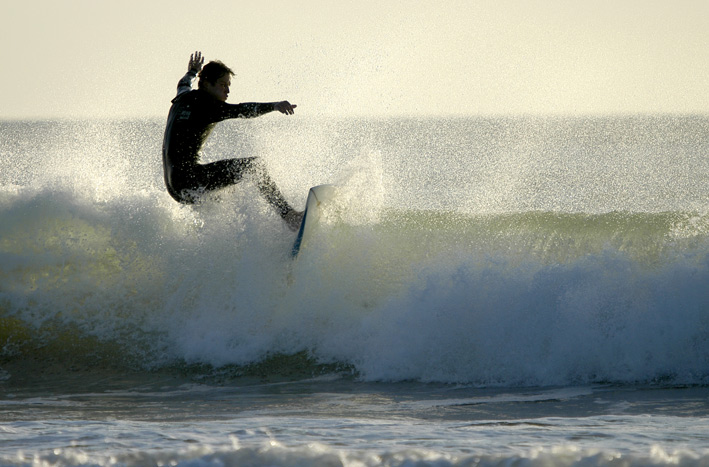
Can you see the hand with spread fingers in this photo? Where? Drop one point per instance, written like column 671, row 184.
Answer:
column 196, row 62
column 284, row 107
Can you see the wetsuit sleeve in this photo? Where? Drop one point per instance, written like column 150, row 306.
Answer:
column 244, row 110
column 185, row 84
column 254, row 109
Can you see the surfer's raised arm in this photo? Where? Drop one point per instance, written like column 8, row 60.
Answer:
column 193, row 68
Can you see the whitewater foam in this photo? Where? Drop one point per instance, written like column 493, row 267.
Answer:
column 510, row 286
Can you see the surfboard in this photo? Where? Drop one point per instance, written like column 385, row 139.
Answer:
column 316, row 196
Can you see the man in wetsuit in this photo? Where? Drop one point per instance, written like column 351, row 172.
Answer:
column 192, row 116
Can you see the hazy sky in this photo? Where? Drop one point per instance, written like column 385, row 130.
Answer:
column 91, row 58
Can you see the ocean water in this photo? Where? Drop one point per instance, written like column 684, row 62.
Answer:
column 481, row 291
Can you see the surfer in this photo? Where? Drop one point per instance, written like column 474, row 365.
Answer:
column 192, row 117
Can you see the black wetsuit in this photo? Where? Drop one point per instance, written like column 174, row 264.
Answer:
column 192, row 116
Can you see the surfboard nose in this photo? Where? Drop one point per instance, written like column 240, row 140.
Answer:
column 316, row 196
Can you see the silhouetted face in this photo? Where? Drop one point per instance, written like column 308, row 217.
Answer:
column 220, row 89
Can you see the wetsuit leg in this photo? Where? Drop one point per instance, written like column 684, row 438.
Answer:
column 267, row 187
column 221, row 174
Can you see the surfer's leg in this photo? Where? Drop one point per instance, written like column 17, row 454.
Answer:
column 227, row 172
column 270, row 191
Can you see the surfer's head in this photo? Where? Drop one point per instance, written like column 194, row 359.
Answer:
column 215, row 79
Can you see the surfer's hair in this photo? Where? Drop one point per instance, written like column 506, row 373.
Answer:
column 212, row 71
